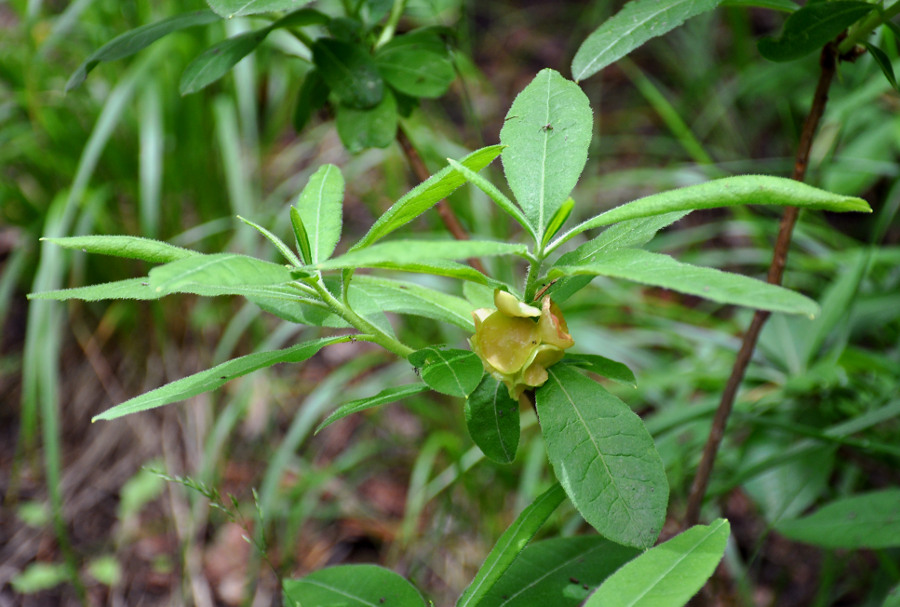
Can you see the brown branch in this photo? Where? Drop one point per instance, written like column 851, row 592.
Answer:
column 828, row 62
column 443, row 208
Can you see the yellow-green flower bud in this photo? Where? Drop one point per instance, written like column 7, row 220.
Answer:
column 518, row 342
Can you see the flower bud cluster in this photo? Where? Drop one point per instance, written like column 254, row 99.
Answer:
column 518, row 342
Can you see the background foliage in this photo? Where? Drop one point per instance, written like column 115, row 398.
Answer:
column 403, row 485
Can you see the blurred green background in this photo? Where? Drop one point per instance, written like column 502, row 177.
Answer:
column 403, row 485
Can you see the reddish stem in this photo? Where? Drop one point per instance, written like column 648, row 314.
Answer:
column 828, row 62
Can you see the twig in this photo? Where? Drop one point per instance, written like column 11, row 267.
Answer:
column 828, row 62
column 443, row 208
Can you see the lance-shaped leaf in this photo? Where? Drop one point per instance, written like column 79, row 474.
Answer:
column 130, row 288
column 635, row 24
column 787, row 6
column 603, row 457
column 217, row 270
column 869, row 520
column 279, row 244
column 547, row 131
column 349, row 72
column 628, row 233
column 492, row 418
column 426, row 195
column 131, row 247
column 288, row 306
column 725, row 192
column 208, row 380
column 448, row 371
column 495, row 194
column 561, row 572
column 812, row 27
column 389, row 395
column 401, row 251
column 321, row 212
column 558, row 219
column 370, row 294
column 667, row 575
column 352, row 586
column 663, row 271
column 137, row 39
column 451, row 269
column 884, row 62
column 239, row 8
column 601, row 365
column 511, row 544
column 217, row 60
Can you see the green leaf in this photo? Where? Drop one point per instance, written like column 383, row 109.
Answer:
column 510, row 545
column 321, row 212
column 560, row 572
column 631, row 233
column 868, row 520
column 300, row 235
column 279, row 244
column 448, row 371
column 137, row 39
column 426, row 195
column 131, row 288
column 812, row 27
column 893, row 597
column 726, row 192
column 628, row 233
column 667, row 575
column 312, row 97
column 492, row 418
column 883, row 61
column 349, row 72
column 238, row 8
column 217, row 60
column 302, row 18
column 131, row 247
column 606, row 367
column 451, row 269
column 495, row 194
column 39, row 576
column 416, row 64
column 787, row 6
column 558, row 219
column 663, row 271
column 352, row 586
column 604, row 458
column 370, row 294
column 401, row 251
column 217, row 270
column 547, row 131
column 288, row 306
column 208, row 380
column 637, row 22
column 374, row 127
column 787, row 488
column 389, row 395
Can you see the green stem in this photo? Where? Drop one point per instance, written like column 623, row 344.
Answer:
column 364, row 326
column 875, row 19
column 302, row 37
column 388, row 32
column 531, row 279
